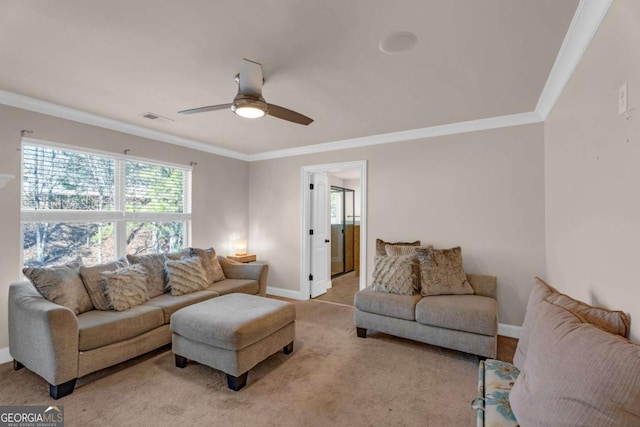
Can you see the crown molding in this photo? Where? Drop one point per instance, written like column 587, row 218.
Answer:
column 407, row 135
column 56, row 110
column 586, row 21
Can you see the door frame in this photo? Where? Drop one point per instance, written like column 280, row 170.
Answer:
column 305, row 223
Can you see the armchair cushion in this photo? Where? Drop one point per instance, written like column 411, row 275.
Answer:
column 577, row 374
column 615, row 322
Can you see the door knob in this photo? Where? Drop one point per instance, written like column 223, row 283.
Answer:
column 326, row 240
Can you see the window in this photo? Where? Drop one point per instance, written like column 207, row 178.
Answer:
column 99, row 206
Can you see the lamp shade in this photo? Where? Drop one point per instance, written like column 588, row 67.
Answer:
column 241, row 247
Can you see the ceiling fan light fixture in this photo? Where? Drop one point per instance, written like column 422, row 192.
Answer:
column 249, row 108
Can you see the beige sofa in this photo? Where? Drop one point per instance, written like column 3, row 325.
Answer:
column 467, row 323
column 60, row 346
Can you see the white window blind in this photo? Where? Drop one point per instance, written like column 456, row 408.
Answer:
column 99, row 206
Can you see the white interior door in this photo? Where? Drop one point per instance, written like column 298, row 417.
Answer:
column 320, row 237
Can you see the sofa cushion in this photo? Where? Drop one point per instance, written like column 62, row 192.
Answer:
column 94, row 281
column 576, row 374
column 390, row 305
column 210, row 263
column 241, row 286
column 442, row 272
column 126, row 287
column 469, row 313
column 394, row 274
column 615, row 322
column 98, row 328
column 381, row 245
column 156, row 278
column 170, row 304
column 185, row 275
column 62, row 285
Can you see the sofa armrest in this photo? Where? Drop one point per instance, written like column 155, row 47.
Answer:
column 43, row 336
column 234, row 270
column 486, row 286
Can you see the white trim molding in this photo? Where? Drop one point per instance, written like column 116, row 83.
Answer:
column 5, row 356
column 510, row 331
column 286, row 293
column 586, row 21
column 407, row 135
column 56, row 110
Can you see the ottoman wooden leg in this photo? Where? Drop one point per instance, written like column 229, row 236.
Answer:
column 181, row 362
column 17, row 365
column 236, row 383
column 288, row 349
column 362, row 332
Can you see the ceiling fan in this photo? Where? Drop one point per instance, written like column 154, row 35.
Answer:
column 249, row 102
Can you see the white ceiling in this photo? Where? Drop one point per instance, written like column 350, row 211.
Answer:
column 122, row 58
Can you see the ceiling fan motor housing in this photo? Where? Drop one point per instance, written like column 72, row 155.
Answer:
column 254, row 105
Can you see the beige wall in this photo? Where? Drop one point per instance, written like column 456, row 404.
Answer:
column 481, row 190
column 220, row 185
column 592, row 158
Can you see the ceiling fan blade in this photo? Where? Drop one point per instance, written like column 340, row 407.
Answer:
column 205, row 109
column 251, row 78
column 286, row 114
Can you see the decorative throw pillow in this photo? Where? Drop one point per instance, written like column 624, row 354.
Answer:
column 154, row 263
column 393, row 274
column 381, row 245
column 93, row 281
column 186, row 252
column 186, row 275
column 61, row 285
column 126, row 287
column 183, row 253
column 615, row 322
column 399, row 250
column 210, row 263
column 576, row 374
column 442, row 272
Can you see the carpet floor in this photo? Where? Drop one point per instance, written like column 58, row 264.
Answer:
column 331, row 378
column 343, row 289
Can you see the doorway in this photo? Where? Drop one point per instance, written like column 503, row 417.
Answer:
column 343, row 231
column 310, row 257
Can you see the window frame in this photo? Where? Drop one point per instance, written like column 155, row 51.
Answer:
column 119, row 216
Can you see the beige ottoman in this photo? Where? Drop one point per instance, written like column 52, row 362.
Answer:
column 232, row 333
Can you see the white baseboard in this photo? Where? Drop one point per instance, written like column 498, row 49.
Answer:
column 286, row 293
column 510, row 331
column 5, row 357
